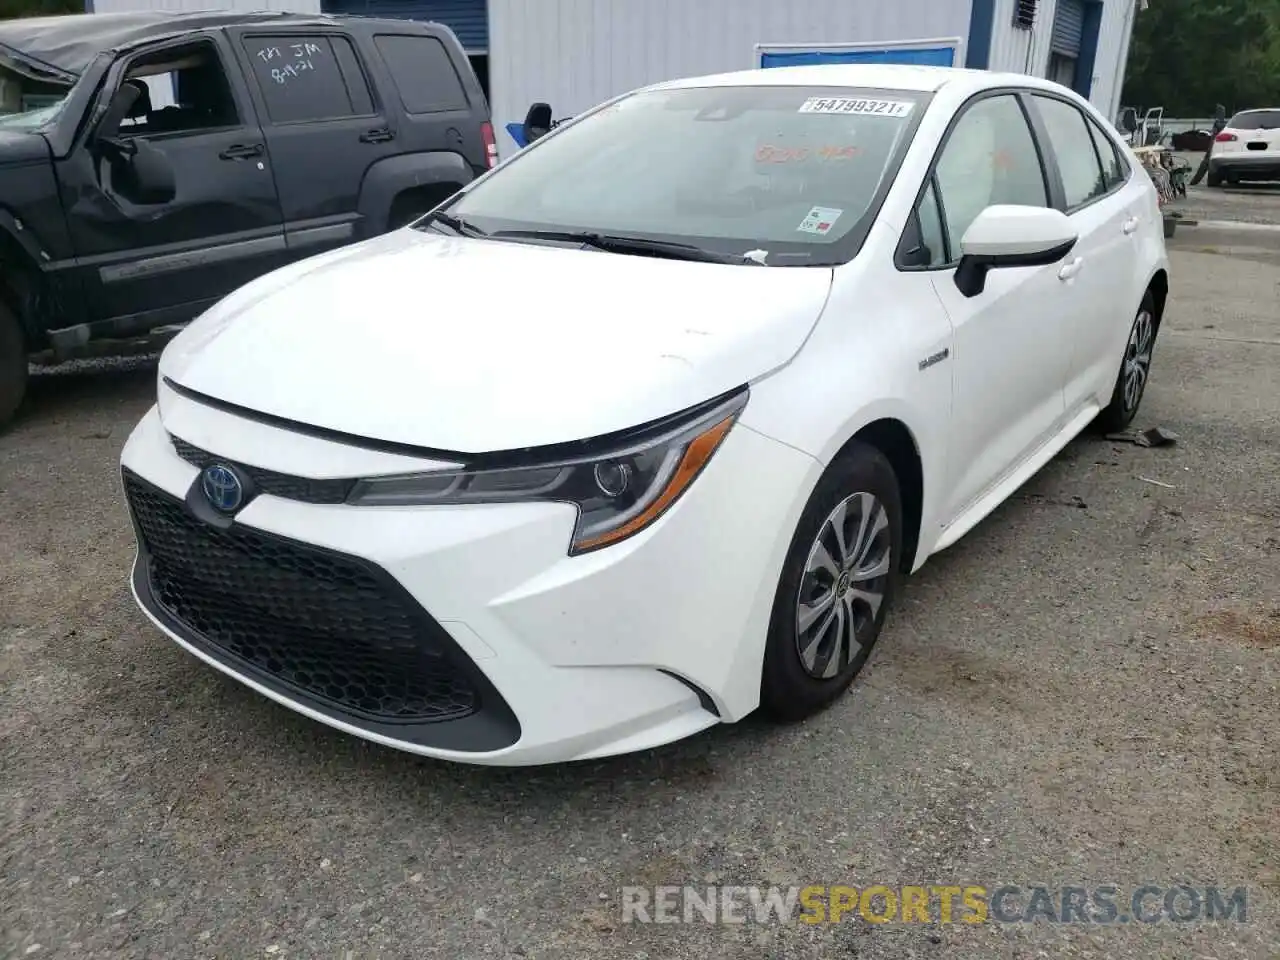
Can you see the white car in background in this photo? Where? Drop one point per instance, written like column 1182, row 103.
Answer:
column 1248, row 148
column 640, row 431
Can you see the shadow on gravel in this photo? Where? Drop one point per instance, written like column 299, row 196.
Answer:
column 83, row 387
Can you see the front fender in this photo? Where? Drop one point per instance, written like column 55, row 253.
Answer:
column 388, row 178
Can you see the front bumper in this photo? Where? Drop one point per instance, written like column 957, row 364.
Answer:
column 466, row 632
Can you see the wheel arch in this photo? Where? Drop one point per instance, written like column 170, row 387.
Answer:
column 1158, row 287
column 388, row 179
column 897, row 442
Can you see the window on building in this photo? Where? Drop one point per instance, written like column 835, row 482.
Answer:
column 308, row 77
column 423, row 73
column 1072, row 145
column 989, row 158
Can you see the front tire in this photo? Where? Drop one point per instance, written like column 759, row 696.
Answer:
column 1135, row 370
column 13, row 365
column 837, row 585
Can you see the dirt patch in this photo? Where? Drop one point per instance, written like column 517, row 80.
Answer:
column 1261, row 631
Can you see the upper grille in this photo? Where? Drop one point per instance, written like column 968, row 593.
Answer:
column 283, row 485
column 330, row 626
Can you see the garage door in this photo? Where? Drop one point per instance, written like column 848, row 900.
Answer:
column 469, row 19
column 1068, row 28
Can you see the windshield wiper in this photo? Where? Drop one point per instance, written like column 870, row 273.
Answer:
column 618, row 244
column 456, row 224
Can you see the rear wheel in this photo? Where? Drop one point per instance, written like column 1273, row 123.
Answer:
column 13, row 365
column 1215, row 179
column 1135, row 369
column 837, row 585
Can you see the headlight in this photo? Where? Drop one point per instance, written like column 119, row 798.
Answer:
column 619, row 489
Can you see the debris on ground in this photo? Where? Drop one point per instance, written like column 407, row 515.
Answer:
column 1152, row 437
column 1072, row 501
column 1158, row 483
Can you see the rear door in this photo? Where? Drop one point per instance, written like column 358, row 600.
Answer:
column 324, row 128
column 1104, row 292
column 444, row 108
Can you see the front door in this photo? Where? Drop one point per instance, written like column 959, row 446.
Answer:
column 321, row 121
column 146, row 262
column 1010, row 345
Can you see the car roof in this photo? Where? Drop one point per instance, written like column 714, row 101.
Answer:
column 59, row 48
column 886, row 76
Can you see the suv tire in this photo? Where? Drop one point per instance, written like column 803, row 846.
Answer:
column 13, row 365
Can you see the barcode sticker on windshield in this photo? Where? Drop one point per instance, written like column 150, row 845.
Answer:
column 820, row 220
column 875, row 108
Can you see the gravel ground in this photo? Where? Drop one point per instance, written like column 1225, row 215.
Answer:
column 1245, row 203
column 1082, row 691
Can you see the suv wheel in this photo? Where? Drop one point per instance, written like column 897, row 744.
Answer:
column 836, row 587
column 13, row 365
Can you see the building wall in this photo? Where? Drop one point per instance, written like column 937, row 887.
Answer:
column 575, row 53
column 1027, row 51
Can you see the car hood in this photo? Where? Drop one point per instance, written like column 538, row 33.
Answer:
column 476, row 346
column 18, row 146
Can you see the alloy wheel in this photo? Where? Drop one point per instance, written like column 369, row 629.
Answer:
column 845, row 581
column 1137, row 358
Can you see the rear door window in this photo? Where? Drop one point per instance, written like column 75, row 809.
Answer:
column 302, row 78
column 423, row 73
column 1256, row 120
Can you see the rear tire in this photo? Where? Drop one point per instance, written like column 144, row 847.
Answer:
column 1215, row 179
column 837, row 585
column 13, row 365
column 1135, row 370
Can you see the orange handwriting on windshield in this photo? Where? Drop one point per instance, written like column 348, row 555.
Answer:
column 772, row 153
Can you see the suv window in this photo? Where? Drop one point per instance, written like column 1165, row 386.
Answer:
column 302, row 78
column 180, row 90
column 423, row 73
column 1114, row 170
column 989, row 157
column 1082, row 177
column 1256, row 120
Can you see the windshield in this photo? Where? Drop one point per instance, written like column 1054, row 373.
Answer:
column 1256, row 120
column 790, row 171
column 31, row 119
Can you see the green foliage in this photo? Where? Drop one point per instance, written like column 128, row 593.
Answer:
column 1188, row 55
column 38, row 8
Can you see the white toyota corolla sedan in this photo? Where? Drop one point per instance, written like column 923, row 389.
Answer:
column 640, row 431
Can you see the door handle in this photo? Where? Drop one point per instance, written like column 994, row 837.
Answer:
column 377, row 135
column 1130, row 225
column 1071, row 269
column 241, row 151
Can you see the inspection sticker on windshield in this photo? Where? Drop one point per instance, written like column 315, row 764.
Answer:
column 820, row 220
column 875, row 108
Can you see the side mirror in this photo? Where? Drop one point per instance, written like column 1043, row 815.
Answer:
column 1004, row 236
column 537, row 122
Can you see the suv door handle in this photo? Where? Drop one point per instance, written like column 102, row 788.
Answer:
column 1130, row 225
column 1071, row 269
column 241, row 151
column 377, row 135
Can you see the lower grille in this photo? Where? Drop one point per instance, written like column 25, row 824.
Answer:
column 330, row 626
